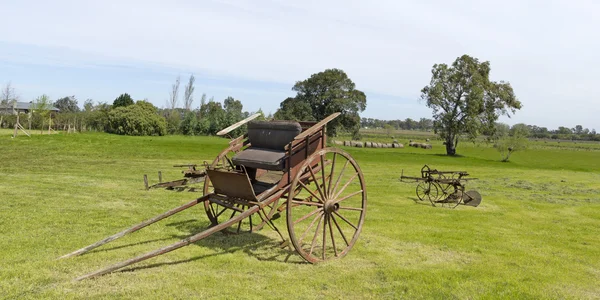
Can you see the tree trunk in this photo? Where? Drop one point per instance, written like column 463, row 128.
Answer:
column 450, row 146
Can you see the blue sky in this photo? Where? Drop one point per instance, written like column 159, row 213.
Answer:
column 256, row 50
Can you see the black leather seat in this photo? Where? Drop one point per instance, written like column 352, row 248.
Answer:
column 267, row 144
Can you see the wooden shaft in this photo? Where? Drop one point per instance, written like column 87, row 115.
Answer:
column 136, row 227
column 238, row 124
column 182, row 243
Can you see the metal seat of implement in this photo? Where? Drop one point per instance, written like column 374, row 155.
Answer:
column 266, row 152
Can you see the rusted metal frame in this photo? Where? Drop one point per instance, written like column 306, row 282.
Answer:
column 136, row 227
column 182, row 243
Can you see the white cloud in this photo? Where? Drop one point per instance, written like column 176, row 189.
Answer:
column 546, row 49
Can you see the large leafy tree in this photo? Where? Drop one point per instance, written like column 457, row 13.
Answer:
column 464, row 100
column 325, row 93
column 123, row 100
column 67, row 104
column 294, row 109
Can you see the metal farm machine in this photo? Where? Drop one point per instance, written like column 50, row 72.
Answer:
column 277, row 166
column 445, row 188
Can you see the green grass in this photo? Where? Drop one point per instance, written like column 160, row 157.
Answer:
column 534, row 236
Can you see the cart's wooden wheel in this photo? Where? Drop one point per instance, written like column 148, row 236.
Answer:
column 326, row 215
column 217, row 213
column 427, row 191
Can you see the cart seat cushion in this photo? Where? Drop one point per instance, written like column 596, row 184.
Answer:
column 260, row 158
column 274, row 135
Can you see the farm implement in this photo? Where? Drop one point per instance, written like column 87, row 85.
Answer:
column 276, row 166
column 444, row 188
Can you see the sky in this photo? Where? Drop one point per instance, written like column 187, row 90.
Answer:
column 256, row 50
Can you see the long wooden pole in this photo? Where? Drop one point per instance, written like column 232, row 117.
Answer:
column 182, row 243
column 136, row 227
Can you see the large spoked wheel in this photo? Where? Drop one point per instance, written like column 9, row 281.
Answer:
column 217, row 213
column 427, row 191
column 326, row 211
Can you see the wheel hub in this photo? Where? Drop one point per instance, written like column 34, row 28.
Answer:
column 331, row 206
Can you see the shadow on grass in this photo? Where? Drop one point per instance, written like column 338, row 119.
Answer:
column 419, row 201
column 261, row 243
column 259, row 246
column 125, row 246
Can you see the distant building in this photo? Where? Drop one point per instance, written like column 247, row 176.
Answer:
column 21, row 107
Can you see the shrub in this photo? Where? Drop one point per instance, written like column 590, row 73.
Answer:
column 138, row 119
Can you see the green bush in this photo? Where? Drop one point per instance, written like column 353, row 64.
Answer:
column 138, row 119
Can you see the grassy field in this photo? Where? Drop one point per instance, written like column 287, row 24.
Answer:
column 535, row 235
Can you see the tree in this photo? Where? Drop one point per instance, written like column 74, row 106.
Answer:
column 188, row 97
column 295, row 110
column 173, row 116
column 123, row 100
column 140, row 118
column 67, row 104
column 174, row 94
column 233, row 114
column 88, row 105
column 214, row 118
column 325, row 93
column 465, row 101
column 513, row 140
column 8, row 97
column 42, row 106
column 389, row 129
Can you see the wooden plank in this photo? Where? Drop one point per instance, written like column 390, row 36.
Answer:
column 238, row 124
column 316, row 127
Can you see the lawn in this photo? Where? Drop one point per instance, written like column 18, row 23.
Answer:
column 534, row 236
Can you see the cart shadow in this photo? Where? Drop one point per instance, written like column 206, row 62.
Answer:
column 255, row 244
column 126, row 246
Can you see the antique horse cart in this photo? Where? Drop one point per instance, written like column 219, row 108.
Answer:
column 445, row 188
column 277, row 166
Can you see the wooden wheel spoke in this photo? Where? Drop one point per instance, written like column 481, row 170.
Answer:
column 340, row 230
column 345, row 185
column 314, row 240
column 331, row 174
column 339, row 177
column 309, row 227
column 316, row 183
column 312, row 213
column 331, row 233
column 345, row 220
column 325, row 235
column 323, row 176
column 348, row 196
column 311, row 192
column 221, row 212
column 351, row 208
column 309, row 203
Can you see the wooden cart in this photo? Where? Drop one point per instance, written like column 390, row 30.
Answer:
column 277, row 166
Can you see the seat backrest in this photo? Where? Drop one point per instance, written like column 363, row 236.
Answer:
column 274, row 135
